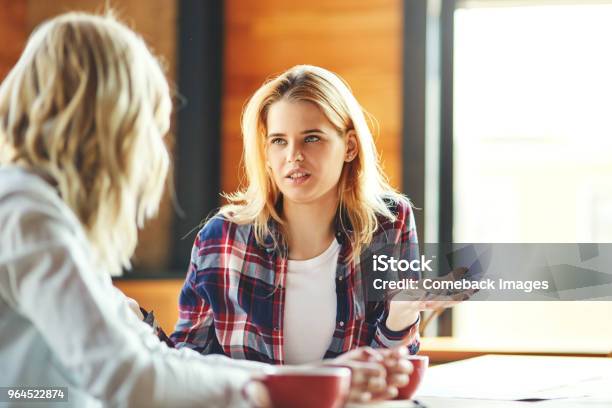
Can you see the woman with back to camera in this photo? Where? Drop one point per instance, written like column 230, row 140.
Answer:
column 82, row 117
column 273, row 276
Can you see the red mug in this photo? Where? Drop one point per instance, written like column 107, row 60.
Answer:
column 307, row 387
column 419, row 365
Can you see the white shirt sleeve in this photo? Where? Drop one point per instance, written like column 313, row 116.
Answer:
column 112, row 355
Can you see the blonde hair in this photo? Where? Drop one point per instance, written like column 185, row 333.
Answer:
column 363, row 187
column 87, row 105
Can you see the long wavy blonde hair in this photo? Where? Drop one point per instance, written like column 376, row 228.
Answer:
column 363, row 187
column 87, row 105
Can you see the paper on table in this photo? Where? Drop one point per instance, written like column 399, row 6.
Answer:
column 516, row 377
column 383, row 404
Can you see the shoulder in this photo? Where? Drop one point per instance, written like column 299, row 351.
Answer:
column 400, row 207
column 220, row 236
column 398, row 225
column 215, row 228
column 221, row 228
column 32, row 213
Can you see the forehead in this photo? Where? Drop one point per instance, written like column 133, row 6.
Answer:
column 286, row 115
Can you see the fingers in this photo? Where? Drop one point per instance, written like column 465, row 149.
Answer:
column 368, row 395
column 363, row 354
column 257, row 394
column 458, row 273
column 403, row 366
column 357, row 395
column 376, row 385
column 398, row 380
column 368, row 379
column 134, row 307
column 388, row 393
column 398, row 366
column 376, row 374
column 395, row 357
column 369, row 354
column 363, row 372
column 396, row 352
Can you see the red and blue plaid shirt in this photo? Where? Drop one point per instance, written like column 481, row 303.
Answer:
column 233, row 299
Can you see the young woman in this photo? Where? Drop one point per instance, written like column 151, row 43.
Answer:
column 275, row 275
column 82, row 116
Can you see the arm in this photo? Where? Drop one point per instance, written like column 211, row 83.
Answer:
column 386, row 337
column 113, row 356
column 399, row 324
column 195, row 326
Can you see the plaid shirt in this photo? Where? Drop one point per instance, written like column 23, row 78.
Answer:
column 233, row 301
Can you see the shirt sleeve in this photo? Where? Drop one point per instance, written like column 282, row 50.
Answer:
column 109, row 352
column 195, row 326
column 409, row 249
column 387, row 338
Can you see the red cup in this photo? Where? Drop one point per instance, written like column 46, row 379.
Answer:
column 320, row 387
column 419, row 365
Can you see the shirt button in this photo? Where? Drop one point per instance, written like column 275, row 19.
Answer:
column 341, row 324
column 340, row 278
column 276, row 328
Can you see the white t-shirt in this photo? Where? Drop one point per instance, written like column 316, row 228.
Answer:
column 64, row 324
column 310, row 306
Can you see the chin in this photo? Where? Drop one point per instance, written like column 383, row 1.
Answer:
column 299, row 198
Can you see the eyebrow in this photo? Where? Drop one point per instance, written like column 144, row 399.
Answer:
column 302, row 132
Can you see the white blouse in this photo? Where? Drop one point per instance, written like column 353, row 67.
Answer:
column 310, row 306
column 64, row 324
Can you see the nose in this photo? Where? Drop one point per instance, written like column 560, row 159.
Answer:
column 294, row 153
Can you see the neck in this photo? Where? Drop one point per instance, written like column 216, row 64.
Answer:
column 310, row 227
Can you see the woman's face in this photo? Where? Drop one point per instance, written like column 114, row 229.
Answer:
column 304, row 152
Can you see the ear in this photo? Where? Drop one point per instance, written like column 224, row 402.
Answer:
column 351, row 146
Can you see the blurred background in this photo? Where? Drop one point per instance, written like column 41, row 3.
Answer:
column 493, row 116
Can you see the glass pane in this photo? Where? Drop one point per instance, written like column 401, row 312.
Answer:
column 533, row 155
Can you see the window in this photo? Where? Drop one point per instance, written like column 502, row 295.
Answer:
column 532, row 150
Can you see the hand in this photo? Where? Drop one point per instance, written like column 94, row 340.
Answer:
column 134, row 307
column 402, row 312
column 257, row 394
column 397, row 366
column 375, row 374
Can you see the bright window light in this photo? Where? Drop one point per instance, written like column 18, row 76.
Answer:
column 533, row 155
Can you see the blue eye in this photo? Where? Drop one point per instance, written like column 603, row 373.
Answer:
column 278, row 140
column 310, row 139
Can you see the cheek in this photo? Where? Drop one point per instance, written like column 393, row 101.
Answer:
column 335, row 171
column 335, row 159
column 332, row 164
column 275, row 167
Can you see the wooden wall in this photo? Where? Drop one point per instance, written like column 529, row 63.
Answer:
column 157, row 24
column 13, row 32
column 158, row 295
column 361, row 41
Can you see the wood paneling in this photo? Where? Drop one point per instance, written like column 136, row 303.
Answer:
column 13, row 32
column 361, row 41
column 157, row 24
column 155, row 20
column 161, row 296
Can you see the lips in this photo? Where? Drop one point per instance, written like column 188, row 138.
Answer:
column 297, row 176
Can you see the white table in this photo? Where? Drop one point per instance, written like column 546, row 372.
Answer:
column 497, row 381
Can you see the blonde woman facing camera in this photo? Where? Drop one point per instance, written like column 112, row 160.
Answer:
column 274, row 276
column 82, row 117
